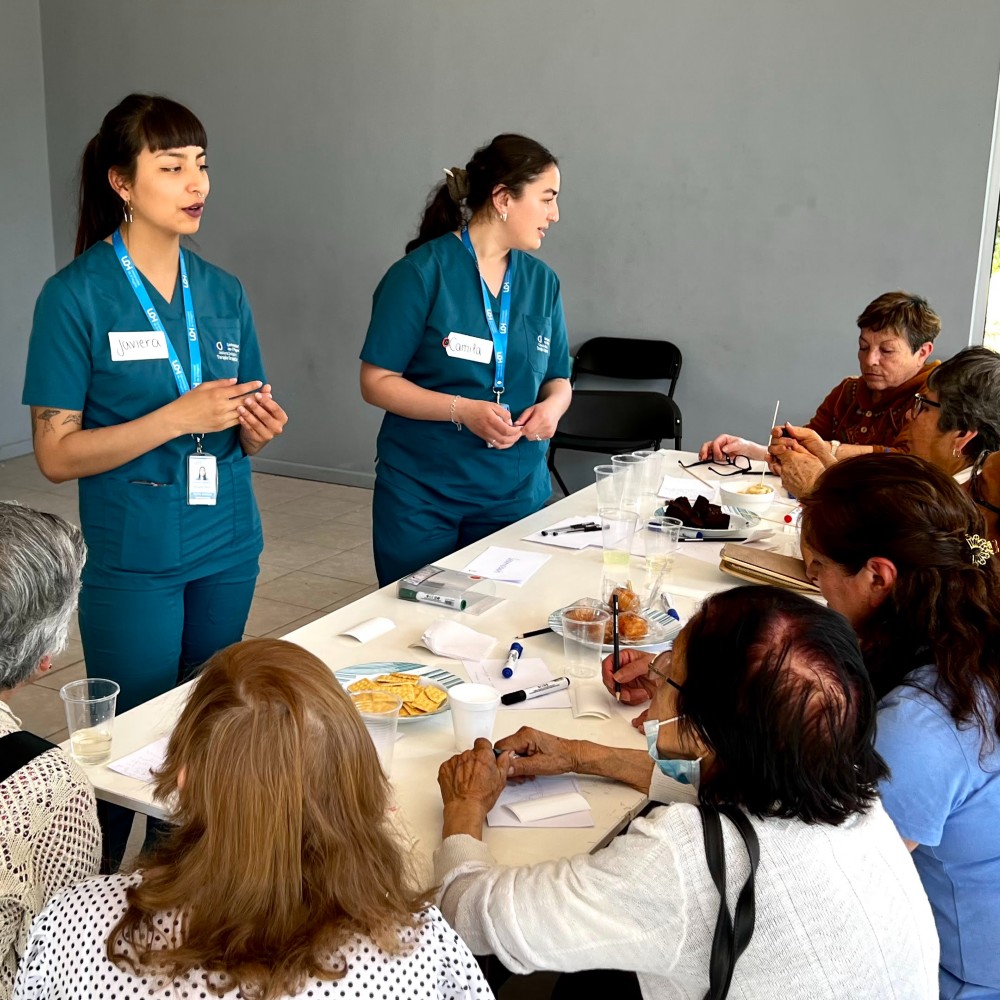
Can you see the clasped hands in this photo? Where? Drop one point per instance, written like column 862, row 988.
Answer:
column 224, row 403
column 799, row 456
column 493, row 423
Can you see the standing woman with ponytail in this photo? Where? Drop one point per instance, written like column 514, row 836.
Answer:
column 146, row 384
column 467, row 354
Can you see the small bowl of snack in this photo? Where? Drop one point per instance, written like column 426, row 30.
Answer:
column 755, row 496
column 638, row 627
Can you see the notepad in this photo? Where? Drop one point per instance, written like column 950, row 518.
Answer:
column 141, row 763
column 544, row 802
column 506, row 565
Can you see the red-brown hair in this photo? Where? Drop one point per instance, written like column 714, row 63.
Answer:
column 281, row 849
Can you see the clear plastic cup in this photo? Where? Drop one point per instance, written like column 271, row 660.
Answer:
column 380, row 713
column 583, row 639
column 90, row 717
column 661, row 540
column 473, row 713
column 617, row 533
column 608, row 487
column 652, row 470
column 628, row 473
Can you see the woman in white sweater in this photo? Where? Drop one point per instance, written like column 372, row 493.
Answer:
column 765, row 705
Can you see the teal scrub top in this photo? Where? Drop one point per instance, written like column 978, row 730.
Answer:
column 433, row 292
column 139, row 529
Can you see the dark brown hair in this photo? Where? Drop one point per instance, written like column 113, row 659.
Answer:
column 140, row 121
column 281, row 849
column 777, row 687
column 908, row 315
column 510, row 161
column 942, row 608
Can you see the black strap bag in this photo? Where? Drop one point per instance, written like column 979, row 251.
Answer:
column 731, row 935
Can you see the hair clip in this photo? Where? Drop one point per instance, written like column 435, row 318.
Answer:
column 982, row 549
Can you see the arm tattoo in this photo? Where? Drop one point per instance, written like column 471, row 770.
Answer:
column 43, row 419
column 74, row 418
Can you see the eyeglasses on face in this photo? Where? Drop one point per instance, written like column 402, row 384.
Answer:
column 658, row 670
column 920, row 401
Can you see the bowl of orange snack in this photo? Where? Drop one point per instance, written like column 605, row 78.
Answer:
column 421, row 696
column 638, row 627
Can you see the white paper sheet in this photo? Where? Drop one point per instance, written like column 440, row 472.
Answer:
column 685, row 486
column 530, row 671
column 507, row 565
column 571, row 540
column 142, row 762
column 544, row 802
column 371, row 629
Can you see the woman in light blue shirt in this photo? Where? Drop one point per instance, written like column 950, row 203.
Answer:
column 467, row 354
column 896, row 546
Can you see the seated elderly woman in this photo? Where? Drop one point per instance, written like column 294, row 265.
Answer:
column 49, row 835
column 281, row 877
column 954, row 423
column 897, row 547
column 765, row 707
column 896, row 334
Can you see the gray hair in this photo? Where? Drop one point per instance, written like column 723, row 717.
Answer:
column 41, row 557
column 968, row 388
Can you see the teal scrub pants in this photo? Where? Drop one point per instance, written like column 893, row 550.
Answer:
column 151, row 640
column 411, row 529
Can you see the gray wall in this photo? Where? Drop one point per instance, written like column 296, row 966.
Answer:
column 739, row 178
column 26, row 254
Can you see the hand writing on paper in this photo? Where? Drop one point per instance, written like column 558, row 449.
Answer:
column 471, row 783
column 538, row 753
column 633, row 676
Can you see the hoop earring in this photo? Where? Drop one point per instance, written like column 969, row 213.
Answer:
column 127, row 212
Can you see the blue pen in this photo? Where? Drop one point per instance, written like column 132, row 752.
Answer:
column 516, row 649
column 668, row 605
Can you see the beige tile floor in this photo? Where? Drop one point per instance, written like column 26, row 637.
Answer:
column 317, row 557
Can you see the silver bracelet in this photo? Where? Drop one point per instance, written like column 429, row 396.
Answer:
column 454, row 404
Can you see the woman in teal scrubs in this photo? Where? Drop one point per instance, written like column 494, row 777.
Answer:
column 146, row 384
column 467, row 354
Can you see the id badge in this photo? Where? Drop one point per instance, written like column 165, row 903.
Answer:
column 203, row 480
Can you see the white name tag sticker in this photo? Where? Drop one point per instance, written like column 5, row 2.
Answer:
column 461, row 345
column 140, row 346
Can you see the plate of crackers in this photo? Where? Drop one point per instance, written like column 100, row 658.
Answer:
column 423, row 690
column 638, row 627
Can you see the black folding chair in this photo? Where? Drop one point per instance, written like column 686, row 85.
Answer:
column 619, row 420
column 613, row 421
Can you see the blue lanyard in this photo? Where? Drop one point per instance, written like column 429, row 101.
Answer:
column 499, row 334
column 157, row 324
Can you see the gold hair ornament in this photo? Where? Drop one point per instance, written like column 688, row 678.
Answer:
column 982, row 549
column 457, row 179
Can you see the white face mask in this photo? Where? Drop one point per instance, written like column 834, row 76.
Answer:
column 687, row 772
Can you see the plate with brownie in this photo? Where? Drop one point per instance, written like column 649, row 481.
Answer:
column 638, row 627
column 702, row 519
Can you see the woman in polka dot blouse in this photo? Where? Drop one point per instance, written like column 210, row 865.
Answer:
column 280, row 876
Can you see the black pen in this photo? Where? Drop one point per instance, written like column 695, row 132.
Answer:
column 616, row 662
column 580, row 530
column 532, row 634
column 742, row 538
column 582, row 526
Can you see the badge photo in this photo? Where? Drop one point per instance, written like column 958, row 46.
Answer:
column 202, row 480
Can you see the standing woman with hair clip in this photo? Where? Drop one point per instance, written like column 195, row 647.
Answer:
column 467, row 354
column 143, row 369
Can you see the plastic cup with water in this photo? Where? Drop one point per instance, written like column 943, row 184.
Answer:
column 380, row 713
column 583, row 638
column 90, row 717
